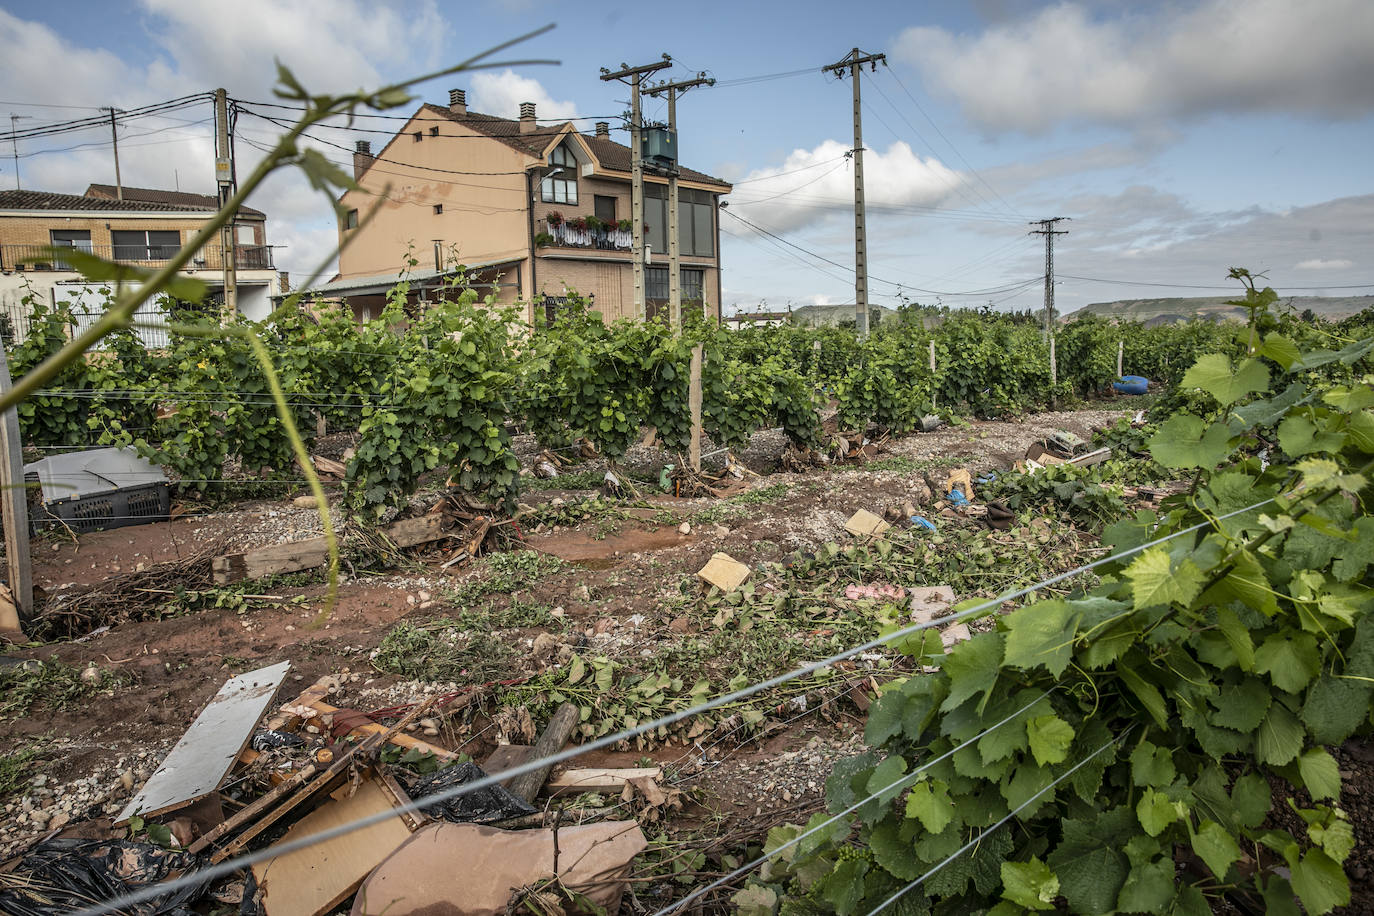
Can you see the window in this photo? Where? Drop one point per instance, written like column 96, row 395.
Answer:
column 418, row 136
column 656, row 218
column 434, row 131
column 696, row 230
column 438, row 209
column 604, row 207
column 559, row 186
column 656, row 283
column 656, row 291
column 245, row 235
column 351, row 219
column 80, row 239
column 141, row 245
column 693, row 283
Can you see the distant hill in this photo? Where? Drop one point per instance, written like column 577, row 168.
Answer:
column 1168, row 311
column 821, row 316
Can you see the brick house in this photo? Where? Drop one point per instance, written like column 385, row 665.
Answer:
column 145, row 228
column 533, row 212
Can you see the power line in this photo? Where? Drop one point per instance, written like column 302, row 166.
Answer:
column 1230, row 289
column 805, row 168
column 103, row 121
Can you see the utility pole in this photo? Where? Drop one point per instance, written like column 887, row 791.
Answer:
column 224, row 178
column 674, row 244
column 114, row 140
column 14, row 120
column 853, row 62
column 634, row 76
column 1049, row 232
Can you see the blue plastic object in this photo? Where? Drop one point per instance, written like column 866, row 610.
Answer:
column 958, row 498
column 922, row 522
column 987, row 478
column 1132, row 384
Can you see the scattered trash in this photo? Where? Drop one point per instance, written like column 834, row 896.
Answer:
column 921, row 521
column 874, row 592
column 725, row 572
column 598, row 779
column 305, row 502
column 959, row 479
column 931, row 602
column 930, row 423
column 267, row 739
column 999, row 516
column 865, row 524
column 481, row 806
column 1088, row 459
column 98, row 488
column 468, row 870
column 987, row 478
column 545, row 469
column 1132, row 384
column 957, row 498
column 665, row 477
column 610, row 485
column 61, row 876
column 329, row 468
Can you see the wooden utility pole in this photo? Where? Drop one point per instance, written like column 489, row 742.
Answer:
column 634, row 76
column 1049, row 232
column 14, row 502
column 674, row 243
column 224, row 178
column 694, row 408
column 114, row 140
column 853, row 62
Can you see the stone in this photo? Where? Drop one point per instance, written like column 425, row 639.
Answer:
column 90, row 676
column 305, row 502
column 544, row 644
column 684, row 528
column 724, row 572
column 865, row 524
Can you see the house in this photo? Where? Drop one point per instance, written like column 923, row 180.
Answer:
column 757, row 319
column 146, row 228
column 532, row 213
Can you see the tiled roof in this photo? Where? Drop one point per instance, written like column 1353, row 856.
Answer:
column 48, row 200
column 172, row 198
column 613, row 156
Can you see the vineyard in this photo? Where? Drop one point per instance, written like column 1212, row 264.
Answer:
column 1158, row 704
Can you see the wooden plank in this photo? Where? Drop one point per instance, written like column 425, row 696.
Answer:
column 315, row 880
column 253, row 809
column 313, row 700
column 295, row 556
column 556, row 733
column 598, row 779
column 694, row 406
column 506, row 757
column 199, row 761
column 14, row 504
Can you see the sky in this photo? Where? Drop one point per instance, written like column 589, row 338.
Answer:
column 1179, row 139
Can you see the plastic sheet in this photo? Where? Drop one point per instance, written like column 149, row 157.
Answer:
column 265, row 739
column 62, row 876
column 483, row 806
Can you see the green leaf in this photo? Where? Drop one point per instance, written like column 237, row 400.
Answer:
column 1290, row 663
column 1334, row 835
column 1050, row 738
column 1182, row 444
column 1241, row 706
column 1155, row 811
column 1148, row 888
column 1319, row 773
column 1090, row 867
column 1279, row 738
column 1215, row 846
column 891, row 852
column 972, row 666
column 1154, row 582
column 576, row 669
column 1214, row 375
column 1041, row 634
column 1250, row 800
column 884, row 718
column 843, row 888
column 1319, row 882
column 929, row 803
column 94, row 267
column 1358, row 554
column 1030, row 884
column 1148, row 694
column 1280, row 349
column 755, row 900
column 1299, row 436
column 1152, row 766
column 886, row 783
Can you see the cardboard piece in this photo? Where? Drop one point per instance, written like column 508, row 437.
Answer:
column 725, row 572
column 197, row 764
column 865, row 524
column 467, row 870
column 316, row 879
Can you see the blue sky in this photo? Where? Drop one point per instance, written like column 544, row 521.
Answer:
column 1181, row 138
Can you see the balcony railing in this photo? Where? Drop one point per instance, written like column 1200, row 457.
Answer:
column 211, row 257
column 565, row 236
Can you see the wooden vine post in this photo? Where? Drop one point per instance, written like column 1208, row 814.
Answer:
column 1120, row 356
column 15, row 504
column 934, row 389
column 694, row 405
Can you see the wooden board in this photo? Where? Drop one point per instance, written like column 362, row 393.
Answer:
column 295, row 556
column 504, row 758
column 556, row 734
column 202, row 757
column 598, row 779
column 316, row 879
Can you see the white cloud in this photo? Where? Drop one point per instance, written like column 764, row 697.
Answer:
column 810, row 185
column 1066, row 64
column 1324, row 264
column 501, row 93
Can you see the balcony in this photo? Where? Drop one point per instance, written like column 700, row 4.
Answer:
column 39, row 258
column 565, row 235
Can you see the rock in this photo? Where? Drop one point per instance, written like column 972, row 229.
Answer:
column 429, row 723
column 90, row 676
column 431, row 732
column 39, row 818
column 581, row 593
column 684, row 528
column 40, row 781
column 544, row 644
column 605, row 624
column 681, row 625
column 126, row 779
column 59, row 820
column 305, row 502
column 720, row 531
column 423, row 595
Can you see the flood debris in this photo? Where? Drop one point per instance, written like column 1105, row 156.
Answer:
column 864, row 524
column 724, row 572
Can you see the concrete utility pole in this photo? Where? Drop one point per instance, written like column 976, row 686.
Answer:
column 853, row 62
column 1049, row 232
column 634, row 76
column 114, row 140
column 224, row 178
column 674, row 244
column 14, row 121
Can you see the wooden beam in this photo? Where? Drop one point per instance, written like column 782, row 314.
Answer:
column 556, row 734
column 15, row 504
column 598, row 779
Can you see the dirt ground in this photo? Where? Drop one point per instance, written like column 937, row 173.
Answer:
column 617, row 592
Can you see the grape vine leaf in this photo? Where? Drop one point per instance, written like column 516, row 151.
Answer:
column 1041, row 634
column 1050, row 738
column 1299, row 436
column 1279, row 738
column 1152, row 766
column 843, row 888
column 1155, row 581
column 1214, row 845
column 929, row 803
column 1290, row 663
column 886, row 782
column 1280, row 349
column 1318, row 880
column 1148, row 888
column 1320, row 774
column 1358, row 554
column 1181, row 443
column 1090, row 867
column 1155, row 812
column 1030, row 884
column 891, row 852
column 1213, row 374
column 1241, row 706
column 1251, row 799
column 972, row 666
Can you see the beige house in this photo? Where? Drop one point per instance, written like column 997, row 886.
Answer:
column 533, row 212
column 145, row 228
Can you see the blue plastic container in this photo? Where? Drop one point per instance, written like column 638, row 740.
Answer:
column 1132, row 384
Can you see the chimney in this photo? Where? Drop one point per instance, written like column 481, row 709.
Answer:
column 603, row 129
column 527, row 118
column 362, row 158
column 458, row 101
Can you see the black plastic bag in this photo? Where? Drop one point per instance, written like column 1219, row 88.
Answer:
column 63, row 876
column 482, row 806
column 265, row 739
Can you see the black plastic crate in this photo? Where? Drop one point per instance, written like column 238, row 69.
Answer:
column 113, row 509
